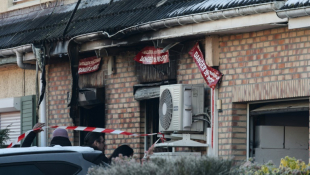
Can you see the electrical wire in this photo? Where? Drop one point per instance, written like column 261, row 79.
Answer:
column 42, row 9
column 203, row 114
column 71, row 17
column 202, row 120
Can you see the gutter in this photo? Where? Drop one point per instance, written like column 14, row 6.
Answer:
column 19, row 52
column 12, row 51
column 294, row 13
column 86, row 38
column 89, row 37
column 202, row 17
column 178, row 21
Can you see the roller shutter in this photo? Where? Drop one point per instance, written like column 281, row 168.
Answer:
column 11, row 119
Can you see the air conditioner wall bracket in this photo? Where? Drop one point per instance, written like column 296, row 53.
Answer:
column 185, row 142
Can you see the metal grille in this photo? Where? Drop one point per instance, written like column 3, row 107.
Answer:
column 165, row 109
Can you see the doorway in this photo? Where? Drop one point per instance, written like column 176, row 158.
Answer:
column 91, row 116
column 151, row 120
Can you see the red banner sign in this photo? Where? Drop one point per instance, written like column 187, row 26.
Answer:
column 152, row 55
column 211, row 76
column 88, row 65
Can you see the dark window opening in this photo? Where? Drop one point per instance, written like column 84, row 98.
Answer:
column 91, row 117
column 152, row 120
column 152, row 124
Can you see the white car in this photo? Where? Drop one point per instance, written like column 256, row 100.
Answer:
column 57, row 160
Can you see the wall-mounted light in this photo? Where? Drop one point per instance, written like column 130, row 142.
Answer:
column 219, row 105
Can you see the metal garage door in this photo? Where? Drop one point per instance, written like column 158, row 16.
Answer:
column 12, row 119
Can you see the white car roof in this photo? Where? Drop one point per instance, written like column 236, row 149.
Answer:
column 45, row 149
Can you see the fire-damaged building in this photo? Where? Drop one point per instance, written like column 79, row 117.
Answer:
column 223, row 78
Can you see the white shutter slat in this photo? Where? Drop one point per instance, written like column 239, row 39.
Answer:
column 14, row 119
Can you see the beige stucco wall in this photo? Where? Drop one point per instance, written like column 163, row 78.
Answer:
column 4, row 5
column 7, row 5
column 16, row 82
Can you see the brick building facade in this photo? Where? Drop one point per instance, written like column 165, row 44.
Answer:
column 58, row 84
column 258, row 66
column 122, row 111
column 263, row 59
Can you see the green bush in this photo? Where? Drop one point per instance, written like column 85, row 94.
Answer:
column 288, row 166
column 198, row 166
column 179, row 166
column 4, row 136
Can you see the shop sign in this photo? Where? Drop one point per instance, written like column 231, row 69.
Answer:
column 211, row 76
column 152, row 55
column 88, row 65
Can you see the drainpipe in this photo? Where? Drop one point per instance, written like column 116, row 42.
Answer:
column 20, row 61
column 215, row 121
column 42, row 117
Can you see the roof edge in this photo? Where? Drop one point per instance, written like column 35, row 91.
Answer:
column 294, row 13
column 201, row 17
column 173, row 22
column 11, row 51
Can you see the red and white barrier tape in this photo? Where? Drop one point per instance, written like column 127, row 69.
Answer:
column 82, row 128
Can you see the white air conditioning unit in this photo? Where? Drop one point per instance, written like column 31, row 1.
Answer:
column 178, row 103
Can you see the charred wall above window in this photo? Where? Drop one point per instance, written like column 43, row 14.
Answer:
column 157, row 73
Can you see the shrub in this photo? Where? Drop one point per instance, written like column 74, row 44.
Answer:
column 202, row 165
column 158, row 166
column 4, row 136
column 288, row 166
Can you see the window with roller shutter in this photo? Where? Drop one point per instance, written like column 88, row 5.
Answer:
column 12, row 121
